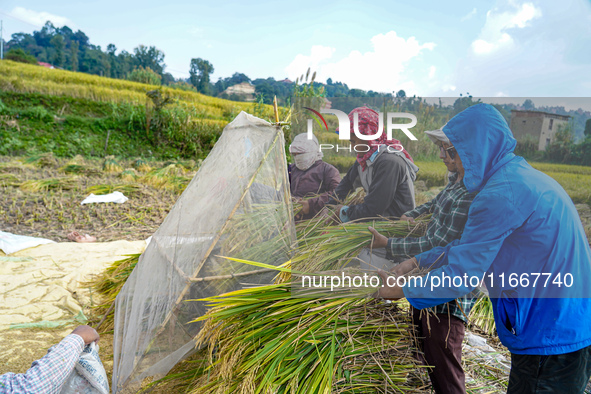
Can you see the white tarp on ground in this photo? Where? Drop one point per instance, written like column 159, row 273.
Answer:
column 237, row 205
column 43, row 286
column 12, row 243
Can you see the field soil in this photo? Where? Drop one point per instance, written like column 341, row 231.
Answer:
column 54, row 210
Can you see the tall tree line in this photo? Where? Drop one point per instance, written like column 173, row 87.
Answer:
column 64, row 48
column 69, row 50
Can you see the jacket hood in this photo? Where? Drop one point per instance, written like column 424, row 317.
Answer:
column 484, row 142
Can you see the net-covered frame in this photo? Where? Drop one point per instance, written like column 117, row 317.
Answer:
column 237, row 205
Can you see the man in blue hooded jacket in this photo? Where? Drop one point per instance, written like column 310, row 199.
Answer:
column 525, row 240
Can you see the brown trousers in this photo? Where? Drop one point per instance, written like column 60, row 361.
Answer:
column 439, row 338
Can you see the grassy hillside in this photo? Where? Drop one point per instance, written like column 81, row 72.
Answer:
column 69, row 113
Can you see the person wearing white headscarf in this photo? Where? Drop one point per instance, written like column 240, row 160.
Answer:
column 312, row 179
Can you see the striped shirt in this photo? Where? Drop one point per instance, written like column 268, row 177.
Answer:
column 48, row 374
column 449, row 211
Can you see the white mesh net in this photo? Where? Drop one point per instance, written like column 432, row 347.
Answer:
column 237, row 205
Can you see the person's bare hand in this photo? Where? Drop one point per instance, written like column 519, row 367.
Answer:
column 389, row 289
column 334, row 217
column 305, row 206
column 378, row 240
column 405, row 267
column 87, row 333
column 407, row 218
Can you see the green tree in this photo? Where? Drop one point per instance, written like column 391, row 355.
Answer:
column 144, row 75
column 528, row 105
column 57, row 42
column 74, row 56
column 19, row 55
column 200, row 71
column 149, row 57
column 588, row 128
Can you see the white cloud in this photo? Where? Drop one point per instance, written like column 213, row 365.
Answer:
column 380, row 69
column 301, row 63
column 494, row 35
column 449, row 88
column 468, row 15
column 195, row 31
column 39, row 18
column 432, row 70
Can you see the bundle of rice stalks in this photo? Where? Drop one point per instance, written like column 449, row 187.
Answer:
column 258, row 234
column 125, row 188
column 129, row 175
column 42, row 160
column 180, row 183
column 482, row 316
column 108, row 284
column 78, row 159
column 141, row 165
column 13, row 166
column 168, row 177
column 9, row 180
column 80, row 169
column 323, row 248
column 263, row 340
column 189, row 165
column 355, row 197
column 111, row 165
column 44, row 185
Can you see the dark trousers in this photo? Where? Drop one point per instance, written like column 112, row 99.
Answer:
column 440, row 338
column 560, row 373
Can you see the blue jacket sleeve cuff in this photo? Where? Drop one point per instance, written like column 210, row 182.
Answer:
column 422, row 303
column 343, row 214
column 432, row 258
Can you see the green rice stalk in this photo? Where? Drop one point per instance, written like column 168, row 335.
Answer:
column 111, row 165
column 482, row 316
column 258, row 234
column 109, row 284
column 125, row 188
column 13, row 166
column 80, row 169
column 9, row 180
column 141, row 165
column 129, row 175
column 324, row 248
column 261, row 340
column 188, row 165
column 44, row 185
column 169, row 177
column 78, row 159
column 42, row 160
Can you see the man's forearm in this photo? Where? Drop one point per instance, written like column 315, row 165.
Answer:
column 48, row 374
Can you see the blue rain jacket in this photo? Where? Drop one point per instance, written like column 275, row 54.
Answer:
column 521, row 225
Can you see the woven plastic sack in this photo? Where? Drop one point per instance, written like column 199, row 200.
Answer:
column 88, row 376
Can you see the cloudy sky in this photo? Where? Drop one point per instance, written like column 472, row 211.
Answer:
column 430, row 48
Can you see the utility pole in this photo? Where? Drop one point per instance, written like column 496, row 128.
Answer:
column 1, row 42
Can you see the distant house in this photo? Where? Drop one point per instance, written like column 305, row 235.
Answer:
column 245, row 91
column 540, row 125
column 43, row 64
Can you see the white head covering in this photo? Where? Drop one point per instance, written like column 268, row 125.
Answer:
column 309, row 151
column 438, row 136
